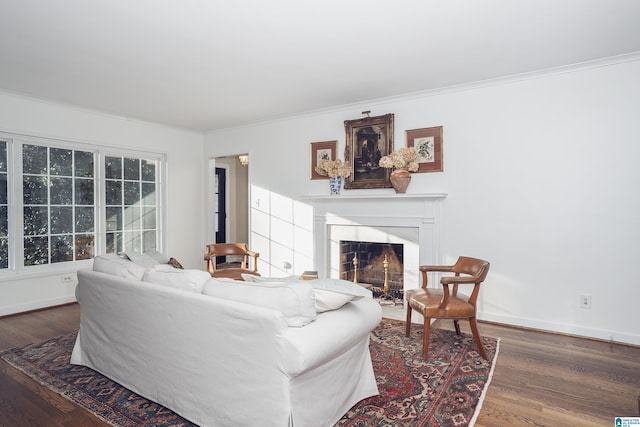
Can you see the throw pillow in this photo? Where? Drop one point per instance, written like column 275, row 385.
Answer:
column 158, row 256
column 331, row 294
column 295, row 301
column 175, row 264
column 187, row 280
column 118, row 266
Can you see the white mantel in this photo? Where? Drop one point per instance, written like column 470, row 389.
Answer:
column 411, row 219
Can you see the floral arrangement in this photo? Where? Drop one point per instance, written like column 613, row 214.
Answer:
column 333, row 168
column 403, row 158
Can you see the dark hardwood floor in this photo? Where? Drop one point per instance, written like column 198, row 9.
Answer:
column 540, row 379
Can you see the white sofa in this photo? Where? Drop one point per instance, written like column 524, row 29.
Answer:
column 218, row 361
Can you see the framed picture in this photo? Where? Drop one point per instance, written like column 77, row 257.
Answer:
column 322, row 151
column 428, row 142
column 367, row 140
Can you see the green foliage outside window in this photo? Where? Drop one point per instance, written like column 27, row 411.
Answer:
column 58, row 188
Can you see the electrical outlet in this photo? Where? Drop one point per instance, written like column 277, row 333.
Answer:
column 585, row 301
column 66, row 278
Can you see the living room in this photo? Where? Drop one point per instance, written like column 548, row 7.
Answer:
column 539, row 176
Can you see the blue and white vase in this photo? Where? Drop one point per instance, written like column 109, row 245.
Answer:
column 335, row 184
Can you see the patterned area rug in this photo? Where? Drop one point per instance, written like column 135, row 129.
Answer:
column 446, row 390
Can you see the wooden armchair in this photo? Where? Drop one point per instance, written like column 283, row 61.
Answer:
column 228, row 269
column 446, row 303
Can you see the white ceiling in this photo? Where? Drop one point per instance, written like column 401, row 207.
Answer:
column 210, row 64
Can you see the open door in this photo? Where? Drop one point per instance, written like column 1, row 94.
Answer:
column 229, row 195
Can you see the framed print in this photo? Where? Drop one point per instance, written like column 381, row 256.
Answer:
column 322, row 151
column 428, row 142
column 367, row 140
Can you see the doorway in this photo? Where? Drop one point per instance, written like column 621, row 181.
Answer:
column 229, row 200
column 220, row 210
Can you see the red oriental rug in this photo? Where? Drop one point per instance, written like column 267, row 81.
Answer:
column 446, row 390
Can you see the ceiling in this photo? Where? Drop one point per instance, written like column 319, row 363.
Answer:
column 211, row 64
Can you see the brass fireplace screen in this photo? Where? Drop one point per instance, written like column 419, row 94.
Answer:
column 376, row 266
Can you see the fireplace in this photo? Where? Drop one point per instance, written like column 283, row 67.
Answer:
column 409, row 220
column 377, row 266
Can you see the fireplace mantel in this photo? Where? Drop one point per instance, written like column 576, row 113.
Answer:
column 414, row 219
column 387, row 196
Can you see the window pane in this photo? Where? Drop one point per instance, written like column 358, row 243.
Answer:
column 36, row 220
column 84, row 246
column 113, row 168
column 36, row 250
column 84, row 191
column 61, row 219
column 61, row 191
column 3, row 189
column 149, row 170
column 34, row 190
column 83, row 164
column 148, row 193
column 149, row 241
column 131, row 193
column 149, row 218
column 114, row 219
column 62, row 248
column 3, row 156
column 113, row 193
column 132, row 169
column 4, row 221
column 34, row 159
column 4, row 253
column 132, row 241
column 132, row 218
column 60, row 162
column 114, row 243
column 85, row 219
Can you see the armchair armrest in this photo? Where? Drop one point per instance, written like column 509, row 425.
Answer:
column 458, row 279
column 433, row 268
column 442, row 268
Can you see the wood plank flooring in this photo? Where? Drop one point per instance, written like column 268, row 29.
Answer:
column 540, row 379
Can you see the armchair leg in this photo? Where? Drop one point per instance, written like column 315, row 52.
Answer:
column 457, row 325
column 407, row 326
column 425, row 338
column 476, row 336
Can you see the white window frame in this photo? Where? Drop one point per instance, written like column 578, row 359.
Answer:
column 15, row 201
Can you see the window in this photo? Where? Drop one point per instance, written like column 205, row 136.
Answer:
column 4, row 207
column 58, row 191
column 70, row 202
column 131, row 204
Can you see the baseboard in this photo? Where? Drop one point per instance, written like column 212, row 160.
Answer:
column 573, row 330
column 35, row 305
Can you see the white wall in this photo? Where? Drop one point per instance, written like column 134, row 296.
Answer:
column 185, row 204
column 541, row 177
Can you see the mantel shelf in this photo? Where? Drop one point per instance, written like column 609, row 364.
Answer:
column 394, row 196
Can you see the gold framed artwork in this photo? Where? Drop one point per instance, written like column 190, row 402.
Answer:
column 428, row 142
column 322, row 151
column 367, row 140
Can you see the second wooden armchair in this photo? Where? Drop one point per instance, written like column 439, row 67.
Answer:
column 446, row 303
column 247, row 265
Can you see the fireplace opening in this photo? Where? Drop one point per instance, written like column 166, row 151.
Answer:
column 371, row 261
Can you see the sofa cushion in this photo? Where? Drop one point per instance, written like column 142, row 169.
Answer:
column 295, row 300
column 166, row 275
column 118, row 266
column 331, row 294
column 261, row 279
